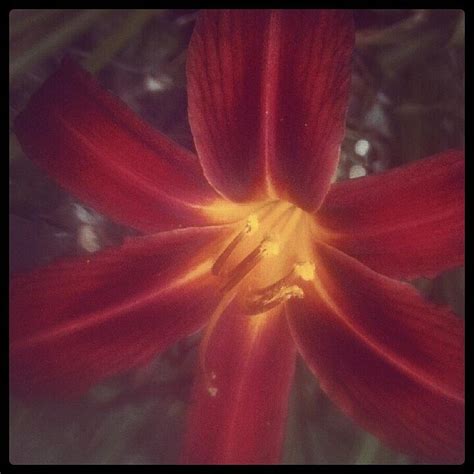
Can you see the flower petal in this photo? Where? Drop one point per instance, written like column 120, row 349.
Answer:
column 405, row 223
column 80, row 320
column 96, row 147
column 240, row 398
column 388, row 359
column 267, row 95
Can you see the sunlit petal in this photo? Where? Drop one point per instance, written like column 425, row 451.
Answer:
column 240, row 398
column 97, row 148
column 267, row 100
column 83, row 319
column 387, row 358
column 406, row 222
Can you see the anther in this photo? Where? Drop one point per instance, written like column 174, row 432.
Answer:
column 267, row 247
column 304, row 270
column 260, row 302
column 252, row 225
column 250, row 228
column 282, row 290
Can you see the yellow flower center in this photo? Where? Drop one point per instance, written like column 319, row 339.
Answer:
column 267, row 258
column 263, row 264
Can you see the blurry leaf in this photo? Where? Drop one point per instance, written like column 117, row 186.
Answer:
column 117, row 40
column 54, row 41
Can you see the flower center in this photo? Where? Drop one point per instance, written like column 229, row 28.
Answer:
column 267, row 258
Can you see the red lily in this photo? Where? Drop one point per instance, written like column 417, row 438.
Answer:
column 256, row 244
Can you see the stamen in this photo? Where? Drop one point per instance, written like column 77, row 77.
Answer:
column 266, row 298
column 211, row 376
column 305, row 270
column 252, row 224
column 259, row 303
column 267, row 247
column 250, row 227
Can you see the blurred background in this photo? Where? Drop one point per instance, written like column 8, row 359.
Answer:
column 407, row 102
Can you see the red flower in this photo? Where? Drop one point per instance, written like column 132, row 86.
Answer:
column 256, row 244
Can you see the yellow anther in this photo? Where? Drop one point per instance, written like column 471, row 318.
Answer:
column 293, row 291
column 252, row 224
column 305, row 270
column 262, row 301
column 269, row 247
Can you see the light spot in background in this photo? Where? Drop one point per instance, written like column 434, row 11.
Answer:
column 383, row 98
column 357, row 171
column 159, row 83
column 84, row 215
column 378, row 166
column 376, row 118
column 88, row 239
column 362, row 147
column 185, row 19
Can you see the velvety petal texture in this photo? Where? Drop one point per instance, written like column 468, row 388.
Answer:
column 240, row 398
column 406, row 222
column 387, row 358
column 82, row 319
column 268, row 95
column 96, row 147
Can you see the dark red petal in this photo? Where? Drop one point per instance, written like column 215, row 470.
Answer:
column 96, row 147
column 390, row 360
column 240, row 398
column 80, row 320
column 267, row 100
column 405, row 223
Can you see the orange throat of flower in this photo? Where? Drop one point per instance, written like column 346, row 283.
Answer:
column 267, row 258
column 266, row 262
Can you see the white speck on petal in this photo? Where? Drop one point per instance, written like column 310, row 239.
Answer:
column 212, row 391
